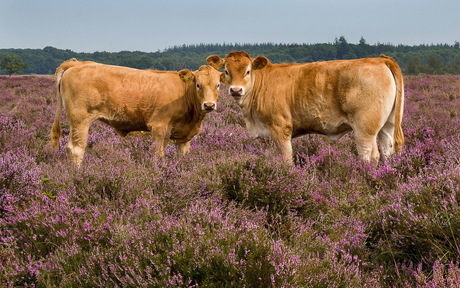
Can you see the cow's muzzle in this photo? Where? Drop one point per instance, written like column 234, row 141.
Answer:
column 236, row 91
column 209, row 106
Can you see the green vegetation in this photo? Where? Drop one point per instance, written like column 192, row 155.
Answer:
column 428, row 59
column 12, row 64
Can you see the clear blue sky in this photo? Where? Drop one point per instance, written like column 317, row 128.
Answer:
column 149, row 26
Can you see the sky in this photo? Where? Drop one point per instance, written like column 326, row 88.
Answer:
column 153, row 25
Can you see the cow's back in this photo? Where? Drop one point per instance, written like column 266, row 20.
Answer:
column 99, row 86
column 352, row 84
column 122, row 85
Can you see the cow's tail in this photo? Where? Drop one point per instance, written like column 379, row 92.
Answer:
column 399, row 102
column 56, row 128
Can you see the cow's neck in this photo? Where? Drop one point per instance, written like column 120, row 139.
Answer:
column 188, row 119
column 193, row 107
column 191, row 116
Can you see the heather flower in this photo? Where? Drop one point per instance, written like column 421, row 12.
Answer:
column 230, row 212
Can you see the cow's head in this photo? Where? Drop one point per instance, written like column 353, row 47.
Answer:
column 238, row 71
column 206, row 81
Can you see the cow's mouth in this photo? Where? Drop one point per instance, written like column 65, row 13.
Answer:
column 237, row 97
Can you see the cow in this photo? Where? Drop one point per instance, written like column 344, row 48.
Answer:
column 171, row 105
column 332, row 98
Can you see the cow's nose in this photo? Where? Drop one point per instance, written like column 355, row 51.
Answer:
column 236, row 91
column 209, row 106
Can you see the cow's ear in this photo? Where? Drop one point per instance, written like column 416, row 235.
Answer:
column 215, row 62
column 187, row 76
column 260, row 62
column 223, row 79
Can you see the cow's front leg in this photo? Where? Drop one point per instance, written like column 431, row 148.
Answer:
column 160, row 141
column 284, row 147
column 159, row 147
column 183, row 148
column 281, row 136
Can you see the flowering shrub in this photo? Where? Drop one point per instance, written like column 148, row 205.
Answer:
column 230, row 213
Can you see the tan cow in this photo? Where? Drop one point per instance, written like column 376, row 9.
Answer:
column 171, row 105
column 282, row 101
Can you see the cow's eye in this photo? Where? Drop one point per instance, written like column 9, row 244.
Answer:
column 248, row 72
column 198, row 86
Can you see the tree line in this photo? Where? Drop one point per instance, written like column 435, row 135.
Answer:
column 428, row 59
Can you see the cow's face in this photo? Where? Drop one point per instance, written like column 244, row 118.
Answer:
column 207, row 83
column 238, row 71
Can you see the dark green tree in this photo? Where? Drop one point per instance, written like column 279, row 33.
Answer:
column 12, row 64
column 413, row 66
column 457, row 45
column 342, row 47
column 361, row 50
column 140, row 62
column 435, row 63
column 455, row 67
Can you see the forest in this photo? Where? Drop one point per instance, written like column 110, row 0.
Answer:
column 434, row 59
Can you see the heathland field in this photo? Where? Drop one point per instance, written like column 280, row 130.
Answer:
column 228, row 214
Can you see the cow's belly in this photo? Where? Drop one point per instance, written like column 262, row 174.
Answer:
column 332, row 129
column 125, row 125
column 338, row 132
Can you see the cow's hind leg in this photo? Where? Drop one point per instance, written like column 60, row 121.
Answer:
column 77, row 141
column 385, row 140
column 386, row 137
column 367, row 147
